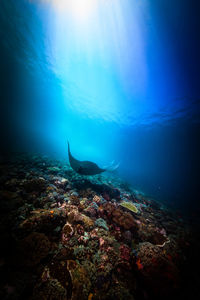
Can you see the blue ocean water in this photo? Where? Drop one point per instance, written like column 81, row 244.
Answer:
column 119, row 79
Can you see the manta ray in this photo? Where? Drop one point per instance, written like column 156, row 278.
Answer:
column 86, row 167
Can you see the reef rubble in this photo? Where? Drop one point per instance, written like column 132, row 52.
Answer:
column 66, row 236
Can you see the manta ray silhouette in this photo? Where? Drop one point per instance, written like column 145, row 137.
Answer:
column 83, row 167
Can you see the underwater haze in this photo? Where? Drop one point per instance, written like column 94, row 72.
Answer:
column 119, row 79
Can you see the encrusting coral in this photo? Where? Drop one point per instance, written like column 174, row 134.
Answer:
column 130, row 206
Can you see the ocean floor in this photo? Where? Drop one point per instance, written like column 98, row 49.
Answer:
column 65, row 236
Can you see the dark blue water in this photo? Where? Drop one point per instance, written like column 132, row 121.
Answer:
column 118, row 79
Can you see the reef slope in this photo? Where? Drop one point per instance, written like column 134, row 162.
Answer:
column 65, row 236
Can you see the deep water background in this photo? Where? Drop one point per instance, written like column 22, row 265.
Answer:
column 125, row 86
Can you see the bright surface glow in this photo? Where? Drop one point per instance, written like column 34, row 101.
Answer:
column 110, row 63
column 97, row 51
column 79, row 10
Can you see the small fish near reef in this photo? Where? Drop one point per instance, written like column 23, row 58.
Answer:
column 86, row 167
column 139, row 265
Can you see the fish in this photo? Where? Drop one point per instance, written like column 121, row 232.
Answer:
column 90, row 296
column 139, row 265
column 83, row 167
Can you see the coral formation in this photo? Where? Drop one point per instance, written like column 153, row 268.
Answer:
column 74, row 216
column 101, row 223
column 49, row 290
column 67, row 230
column 118, row 216
column 124, row 220
column 43, row 220
column 81, row 283
column 35, row 185
column 129, row 205
column 34, row 248
column 156, row 268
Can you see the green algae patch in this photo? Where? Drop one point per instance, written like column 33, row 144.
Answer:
column 130, row 206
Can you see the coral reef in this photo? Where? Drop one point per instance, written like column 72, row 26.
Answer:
column 67, row 237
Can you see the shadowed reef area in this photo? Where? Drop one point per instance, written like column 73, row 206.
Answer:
column 66, row 236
